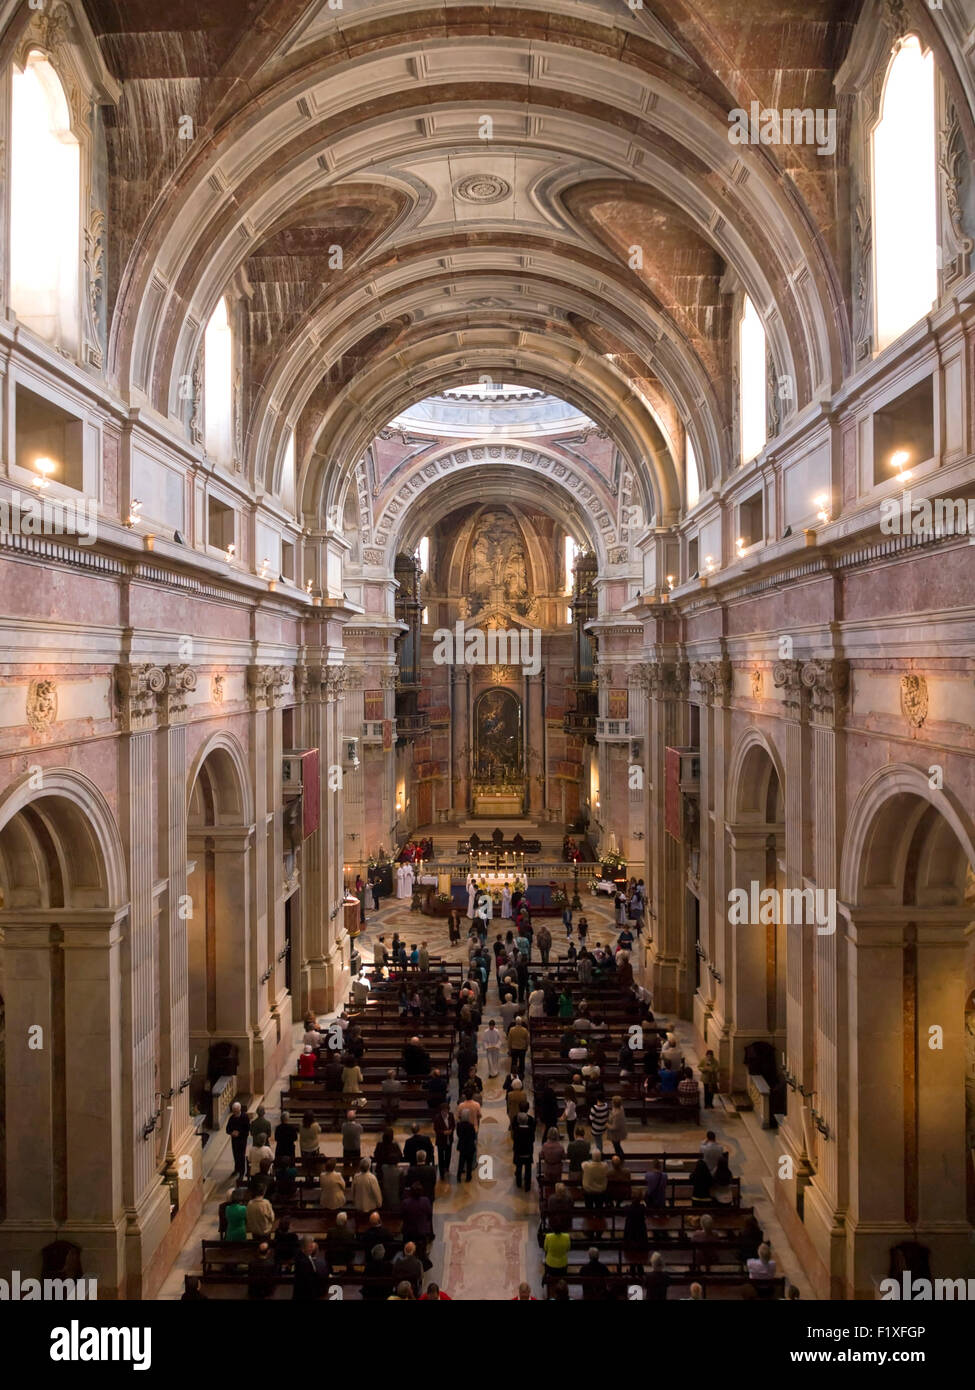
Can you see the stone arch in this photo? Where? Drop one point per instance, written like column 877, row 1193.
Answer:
column 880, row 802
column 227, row 774
column 753, row 766
column 905, row 879
column 63, row 910
column 219, row 947
column 758, row 944
column 82, row 827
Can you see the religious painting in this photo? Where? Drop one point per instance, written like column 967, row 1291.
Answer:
column 618, row 704
column 372, row 705
column 497, row 736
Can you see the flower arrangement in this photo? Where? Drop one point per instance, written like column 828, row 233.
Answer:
column 614, row 863
column 443, row 898
column 558, row 898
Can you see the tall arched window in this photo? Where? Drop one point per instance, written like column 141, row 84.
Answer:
column 752, row 382
column 905, row 194
column 45, row 206
column 571, row 551
column 218, row 384
column 691, row 481
column 287, row 489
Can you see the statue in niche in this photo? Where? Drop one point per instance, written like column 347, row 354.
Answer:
column 497, row 571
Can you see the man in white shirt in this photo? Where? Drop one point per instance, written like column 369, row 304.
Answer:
column 492, row 1042
column 763, row 1267
column 536, row 1003
column 711, row 1152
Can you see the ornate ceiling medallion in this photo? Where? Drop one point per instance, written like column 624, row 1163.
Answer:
column 482, row 188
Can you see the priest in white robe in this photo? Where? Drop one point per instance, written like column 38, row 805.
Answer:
column 506, row 903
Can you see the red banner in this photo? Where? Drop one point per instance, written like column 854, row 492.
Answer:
column 387, row 735
column 310, row 790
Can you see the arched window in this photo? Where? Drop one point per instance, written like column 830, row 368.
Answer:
column 571, row 550
column 218, row 384
column 904, row 194
column 423, row 551
column 287, row 489
column 692, row 482
column 752, row 382
column 45, row 206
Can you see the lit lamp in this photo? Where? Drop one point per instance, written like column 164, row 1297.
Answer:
column 44, row 467
column 740, row 545
column 670, row 582
column 821, row 503
column 898, row 459
column 135, row 507
column 709, row 564
column 264, row 564
column 231, row 552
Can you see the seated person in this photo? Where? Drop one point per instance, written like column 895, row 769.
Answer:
column 416, row 1059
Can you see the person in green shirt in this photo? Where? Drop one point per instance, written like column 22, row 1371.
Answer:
column 236, row 1217
column 566, row 1007
column 557, row 1246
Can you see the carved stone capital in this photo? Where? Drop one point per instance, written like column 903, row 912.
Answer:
column 714, row 678
column 389, row 677
column 670, row 680
column 172, row 702
column 268, row 684
column 787, row 677
column 827, row 683
column 137, row 690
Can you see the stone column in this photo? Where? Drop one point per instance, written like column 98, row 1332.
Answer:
column 827, row 1194
column 308, row 942
column 798, row 1060
column 183, row 1149
column 747, row 955
column 460, row 739
column 535, row 765
column 140, row 688
column 667, row 728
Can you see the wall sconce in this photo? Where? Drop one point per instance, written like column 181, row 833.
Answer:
column 806, row 1095
column 308, row 588
column 898, row 459
column 135, row 507
column 740, row 546
column 183, row 1084
column 151, row 1123
column 718, row 979
column 282, row 954
column 266, row 976
column 264, row 564
column 231, row 552
column 790, row 1080
column 670, row 582
column 44, row 467
column 709, row 565
column 820, row 1123
column 821, row 503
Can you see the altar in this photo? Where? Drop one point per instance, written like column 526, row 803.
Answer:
column 500, row 803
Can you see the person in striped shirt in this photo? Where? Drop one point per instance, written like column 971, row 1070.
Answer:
column 599, row 1119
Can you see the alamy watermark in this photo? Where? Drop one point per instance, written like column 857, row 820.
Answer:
column 29, row 514
column 766, row 125
column 757, row 906
column 928, row 516
column 474, row 646
column 17, row 1289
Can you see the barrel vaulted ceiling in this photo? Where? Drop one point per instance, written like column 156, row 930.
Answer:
column 363, row 127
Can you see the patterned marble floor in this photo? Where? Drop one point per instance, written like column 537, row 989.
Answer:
column 486, row 1230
